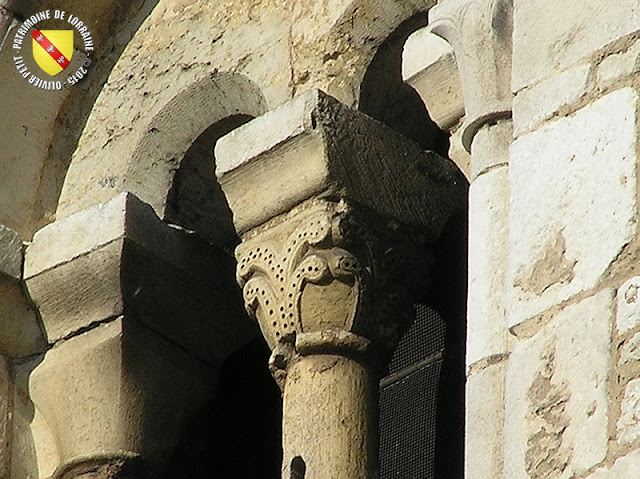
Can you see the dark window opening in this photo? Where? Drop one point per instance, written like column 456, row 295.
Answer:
column 237, row 435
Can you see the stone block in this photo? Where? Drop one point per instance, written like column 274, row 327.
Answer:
column 618, row 66
column 624, row 467
column 557, row 420
column 11, row 253
column 118, row 390
column 564, row 34
column 488, row 206
column 628, row 424
column 315, row 146
column 484, row 423
column 628, row 314
column 439, row 87
column 87, row 291
column 540, row 102
column 119, row 258
column 573, row 203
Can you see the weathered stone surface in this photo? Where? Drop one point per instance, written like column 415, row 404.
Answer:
column 557, row 414
column 120, row 258
column 88, row 291
column 480, row 32
column 286, row 122
column 540, row 102
column 429, row 66
column 562, row 35
column 486, row 324
column 628, row 314
column 573, row 204
column 103, row 392
column 624, row 467
column 11, row 253
column 78, row 235
column 484, row 423
column 628, row 424
column 330, row 418
column 275, row 162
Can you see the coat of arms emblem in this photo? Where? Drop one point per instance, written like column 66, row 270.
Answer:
column 52, row 49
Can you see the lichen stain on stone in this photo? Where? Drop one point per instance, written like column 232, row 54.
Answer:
column 553, row 267
column 545, row 456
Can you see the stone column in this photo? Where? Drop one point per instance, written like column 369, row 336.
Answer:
column 336, row 212
column 480, row 32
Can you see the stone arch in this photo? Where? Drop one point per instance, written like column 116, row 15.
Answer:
column 341, row 56
column 386, row 97
column 149, row 162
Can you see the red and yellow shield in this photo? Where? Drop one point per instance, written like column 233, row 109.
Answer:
column 52, row 49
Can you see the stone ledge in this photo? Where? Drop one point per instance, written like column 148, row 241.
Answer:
column 119, row 258
column 429, row 67
column 315, row 146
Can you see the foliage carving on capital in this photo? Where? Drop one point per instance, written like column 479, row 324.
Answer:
column 327, row 268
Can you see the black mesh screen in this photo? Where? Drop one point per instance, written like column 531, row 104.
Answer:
column 408, row 400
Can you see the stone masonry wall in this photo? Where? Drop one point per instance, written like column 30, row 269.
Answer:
column 554, row 246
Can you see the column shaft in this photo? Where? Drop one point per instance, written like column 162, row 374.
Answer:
column 330, row 419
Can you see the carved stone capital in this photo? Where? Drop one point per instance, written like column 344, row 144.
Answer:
column 334, row 210
column 480, row 33
column 328, row 278
column 324, row 198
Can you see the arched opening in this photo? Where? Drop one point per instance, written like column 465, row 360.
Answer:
column 195, row 200
column 387, row 98
column 422, row 397
column 238, row 431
